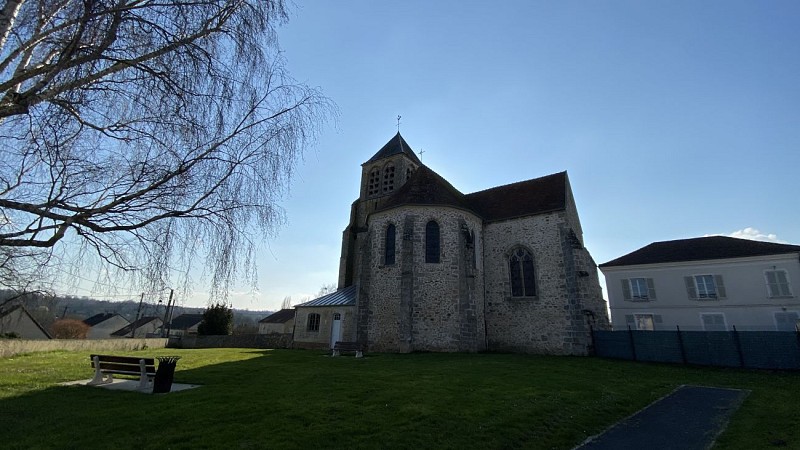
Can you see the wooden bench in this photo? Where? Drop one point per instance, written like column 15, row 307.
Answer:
column 341, row 346
column 106, row 366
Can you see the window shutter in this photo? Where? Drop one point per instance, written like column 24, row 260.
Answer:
column 690, row 288
column 626, row 289
column 651, row 289
column 773, row 289
column 720, row 286
column 629, row 318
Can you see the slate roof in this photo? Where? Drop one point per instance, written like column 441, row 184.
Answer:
column 185, row 321
column 126, row 330
column 98, row 318
column 395, row 146
column 426, row 187
column 342, row 297
column 281, row 316
column 536, row 196
column 701, row 249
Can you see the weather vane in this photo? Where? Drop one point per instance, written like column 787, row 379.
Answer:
column 398, row 122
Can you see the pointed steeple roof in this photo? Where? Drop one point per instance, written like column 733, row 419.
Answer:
column 395, row 146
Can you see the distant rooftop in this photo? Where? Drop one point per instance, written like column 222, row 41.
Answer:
column 281, row 316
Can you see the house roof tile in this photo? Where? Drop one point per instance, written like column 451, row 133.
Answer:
column 700, row 249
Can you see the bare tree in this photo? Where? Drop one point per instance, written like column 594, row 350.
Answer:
column 287, row 302
column 143, row 134
column 326, row 289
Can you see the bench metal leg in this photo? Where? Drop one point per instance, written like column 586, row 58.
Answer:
column 144, row 379
column 98, row 375
column 335, row 353
column 359, row 354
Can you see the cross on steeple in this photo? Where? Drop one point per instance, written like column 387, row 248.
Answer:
column 398, row 122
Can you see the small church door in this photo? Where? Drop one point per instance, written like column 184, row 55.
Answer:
column 336, row 329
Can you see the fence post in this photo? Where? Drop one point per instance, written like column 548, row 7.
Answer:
column 592, row 349
column 680, row 341
column 738, row 346
column 633, row 343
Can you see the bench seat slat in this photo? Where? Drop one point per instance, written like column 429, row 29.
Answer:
column 133, row 368
column 124, row 359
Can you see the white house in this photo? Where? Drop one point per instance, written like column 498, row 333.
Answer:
column 706, row 284
column 15, row 321
column 103, row 324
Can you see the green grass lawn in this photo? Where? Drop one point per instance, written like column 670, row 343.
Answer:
column 306, row 399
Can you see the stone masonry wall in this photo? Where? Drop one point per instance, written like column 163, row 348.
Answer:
column 527, row 324
column 419, row 306
column 303, row 338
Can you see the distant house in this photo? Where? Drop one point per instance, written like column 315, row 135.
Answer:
column 281, row 322
column 16, row 321
column 709, row 283
column 145, row 327
column 185, row 324
column 325, row 320
column 103, row 324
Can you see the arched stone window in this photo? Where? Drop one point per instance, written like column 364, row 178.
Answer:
column 521, row 273
column 388, row 178
column 432, row 245
column 389, row 245
column 313, row 322
column 374, row 183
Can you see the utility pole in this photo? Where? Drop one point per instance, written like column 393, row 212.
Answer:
column 136, row 319
column 167, row 316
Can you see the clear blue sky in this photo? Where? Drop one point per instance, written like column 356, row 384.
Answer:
column 673, row 119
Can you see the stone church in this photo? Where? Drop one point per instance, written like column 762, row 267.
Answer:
column 427, row 268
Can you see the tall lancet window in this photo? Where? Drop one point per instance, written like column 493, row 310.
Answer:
column 523, row 281
column 389, row 245
column 432, row 249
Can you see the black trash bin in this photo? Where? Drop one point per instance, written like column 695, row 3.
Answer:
column 165, row 374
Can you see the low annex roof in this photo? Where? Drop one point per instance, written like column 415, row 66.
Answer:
column 342, row 297
column 700, row 249
column 281, row 316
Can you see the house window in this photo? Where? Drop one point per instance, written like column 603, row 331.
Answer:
column 705, row 287
column 713, row 322
column 389, row 245
column 644, row 322
column 778, row 283
column 432, row 242
column 638, row 289
column 787, row 321
column 388, row 178
column 523, row 280
column 409, row 171
column 374, row 185
column 337, row 316
column 313, row 322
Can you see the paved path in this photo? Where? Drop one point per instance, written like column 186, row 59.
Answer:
column 689, row 418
